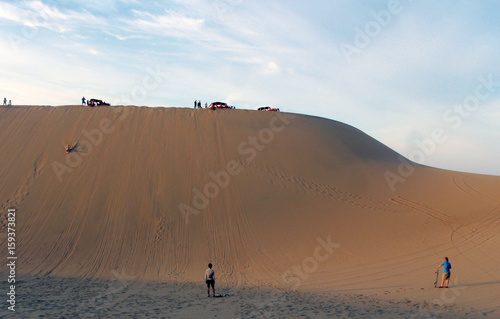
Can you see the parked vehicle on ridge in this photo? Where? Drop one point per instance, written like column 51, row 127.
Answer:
column 220, row 105
column 96, row 102
column 268, row 108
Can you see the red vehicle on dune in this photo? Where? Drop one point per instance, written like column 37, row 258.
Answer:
column 220, row 105
column 268, row 108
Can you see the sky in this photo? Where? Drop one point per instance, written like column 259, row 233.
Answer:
column 422, row 77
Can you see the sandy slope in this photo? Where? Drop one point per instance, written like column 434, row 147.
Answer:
column 304, row 203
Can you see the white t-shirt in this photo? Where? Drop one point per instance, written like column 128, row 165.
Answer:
column 209, row 274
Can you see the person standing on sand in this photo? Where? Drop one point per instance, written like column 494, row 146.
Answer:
column 206, row 104
column 4, row 101
column 83, row 101
column 446, row 272
column 210, row 279
column 10, row 102
column 195, row 103
column 199, row 104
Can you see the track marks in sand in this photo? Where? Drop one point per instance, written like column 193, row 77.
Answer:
column 309, row 187
column 451, row 222
column 234, row 245
column 20, row 194
column 432, row 212
column 463, row 238
column 71, row 241
column 160, row 230
column 463, row 185
column 488, row 226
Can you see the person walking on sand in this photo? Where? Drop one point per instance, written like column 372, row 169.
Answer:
column 446, row 272
column 4, row 101
column 206, row 104
column 210, row 279
column 83, row 101
column 199, row 104
column 195, row 103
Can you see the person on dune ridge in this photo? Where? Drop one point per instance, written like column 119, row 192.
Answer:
column 210, row 279
column 446, row 272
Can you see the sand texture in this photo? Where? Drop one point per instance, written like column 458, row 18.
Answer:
column 293, row 203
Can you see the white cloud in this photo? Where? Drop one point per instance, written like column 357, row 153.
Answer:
column 125, row 37
column 36, row 14
column 13, row 13
column 272, row 68
column 167, row 24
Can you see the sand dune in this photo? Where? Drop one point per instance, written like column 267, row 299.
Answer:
column 287, row 201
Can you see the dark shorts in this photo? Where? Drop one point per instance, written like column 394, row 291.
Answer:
column 210, row 283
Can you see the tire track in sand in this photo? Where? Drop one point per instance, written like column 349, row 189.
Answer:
column 306, row 186
column 462, row 184
column 243, row 248
column 456, row 227
column 488, row 223
column 21, row 193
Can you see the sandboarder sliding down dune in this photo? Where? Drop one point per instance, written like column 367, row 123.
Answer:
column 69, row 148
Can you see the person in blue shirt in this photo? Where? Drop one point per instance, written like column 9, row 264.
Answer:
column 446, row 272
